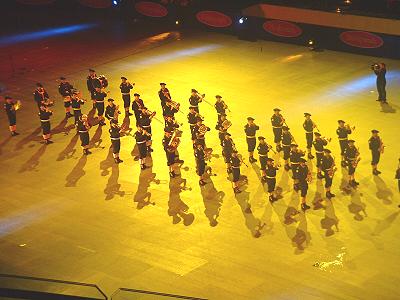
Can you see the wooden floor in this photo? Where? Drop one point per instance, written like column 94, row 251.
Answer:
column 72, row 217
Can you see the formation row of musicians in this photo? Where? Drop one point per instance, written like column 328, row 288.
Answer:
column 284, row 141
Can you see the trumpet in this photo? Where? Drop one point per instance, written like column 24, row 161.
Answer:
column 271, row 148
column 226, row 107
column 348, row 127
column 17, row 105
column 150, row 113
column 174, row 104
column 381, row 147
column 144, row 132
column 326, row 138
column 241, row 160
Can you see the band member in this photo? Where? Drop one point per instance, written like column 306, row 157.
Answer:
column 235, row 162
column 141, row 139
column 343, row 132
column 137, row 106
column 220, row 106
column 170, row 122
column 309, row 126
column 376, row 147
column 170, row 152
column 99, row 96
column 92, row 82
column 221, row 128
column 40, row 95
column 277, row 121
column 303, row 176
column 115, row 135
column 112, row 111
column 380, row 72
column 200, row 162
column 44, row 115
column 295, row 158
column 11, row 111
column 319, row 144
column 194, row 100
column 170, row 109
column 352, row 156
column 329, row 168
column 145, row 122
column 397, row 176
column 192, row 119
column 270, row 178
column 83, row 130
column 263, row 149
column 200, row 131
column 65, row 90
column 125, row 88
column 164, row 95
column 76, row 103
column 228, row 146
column 250, row 129
column 287, row 140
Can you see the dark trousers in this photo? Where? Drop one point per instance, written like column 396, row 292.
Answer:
column 343, row 146
column 271, row 182
column 45, row 127
column 277, row 134
column 319, row 159
column 381, row 87
column 116, row 146
column 12, row 118
column 309, row 139
column 251, row 144
column 328, row 179
column 77, row 114
column 376, row 155
column 127, row 100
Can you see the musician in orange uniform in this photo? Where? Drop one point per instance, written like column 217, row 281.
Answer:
column 83, row 130
column 141, row 139
column 376, row 146
column 44, row 116
column 137, row 106
column 250, row 130
column 115, row 136
column 111, row 110
column 199, row 154
column 125, row 88
column 76, row 103
column 65, row 90
column 352, row 156
column 328, row 167
column 11, row 111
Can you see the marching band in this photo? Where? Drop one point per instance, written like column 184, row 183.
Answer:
column 293, row 157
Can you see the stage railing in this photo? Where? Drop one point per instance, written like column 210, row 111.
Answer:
column 133, row 294
column 35, row 288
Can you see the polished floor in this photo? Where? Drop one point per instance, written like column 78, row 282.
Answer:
column 72, row 217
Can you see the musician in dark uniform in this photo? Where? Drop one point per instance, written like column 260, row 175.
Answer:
column 83, row 130
column 351, row 155
column 303, row 176
column 76, row 103
column 319, row 144
column 111, row 110
column 125, row 88
column 200, row 162
column 164, row 95
column 200, row 131
column 170, row 122
column 270, row 179
column 397, row 176
column 309, row 126
column 40, row 95
column 11, row 111
column 287, row 140
column 263, row 149
column 99, row 97
column 380, row 72
column 250, row 130
column 141, row 139
column 235, row 166
column 376, row 147
column 92, row 82
column 44, row 116
column 137, row 106
column 277, row 122
column 343, row 132
column 169, row 151
column 221, row 128
column 295, row 157
column 170, row 110
column 220, row 107
column 115, row 136
column 328, row 167
column 192, row 120
column 65, row 90
column 145, row 122
column 228, row 146
column 194, row 100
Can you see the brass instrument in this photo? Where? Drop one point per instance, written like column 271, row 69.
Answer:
column 202, row 129
column 116, row 112
column 150, row 113
column 226, row 124
column 348, row 127
column 207, row 153
column 326, row 139
column 17, row 105
column 271, row 148
column 226, row 106
column 381, row 146
column 199, row 116
column 331, row 171
column 174, row 141
column 355, row 162
column 241, row 160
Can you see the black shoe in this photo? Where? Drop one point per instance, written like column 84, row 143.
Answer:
column 14, row 133
column 102, row 123
column 272, row 199
column 229, row 170
column 149, row 149
column 129, row 114
column 329, row 195
column 319, row 175
column 355, row 182
column 48, row 142
column 287, row 167
column 304, row 206
column 310, row 156
column 296, row 187
column 143, row 167
column 236, row 190
column 376, row 172
column 118, row 160
column 252, row 160
column 343, row 164
column 352, row 183
column 171, row 174
column 180, row 161
column 202, row 182
column 264, row 178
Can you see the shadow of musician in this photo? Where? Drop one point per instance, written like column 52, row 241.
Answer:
column 383, row 192
column 319, row 194
column 107, row 163
column 4, row 142
column 113, row 187
column 62, row 128
column 178, row 209
column 77, row 172
column 301, row 238
column 34, row 136
column 96, row 140
column 387, row 108
column 69, row 151
column 212, row 200
column 33, row 162
column 385, row 224
column 357, row 207
column 142, row 196
column 330, row 220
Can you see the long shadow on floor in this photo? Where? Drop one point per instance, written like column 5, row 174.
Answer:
column 330, row 219
column 107, row 163
column 142, row 196
column 113, row 187
column 387, row 108
column 76, row 173
column 96, row 140
column 178, row 209
column 212, row 200
column 4, row 142
column 69, row 151
column 33, row 162
column 383, row 192
column 29, row 138
column 62, row 128
column 385, row 224
column 357, row 207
